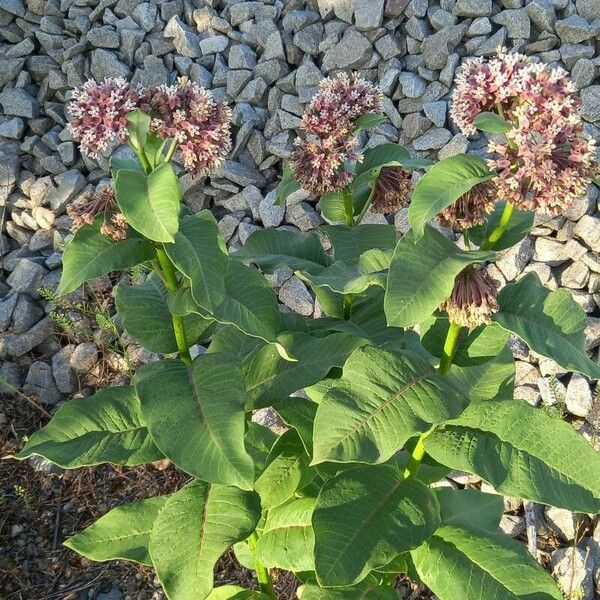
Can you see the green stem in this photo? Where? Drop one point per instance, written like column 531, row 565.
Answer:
column 170, row 279
column 348, row 299
column 171, row 150
column 348, row 208
column 449, row 347
column 412, row 468
column 262, row 573
column 498, row 231
column 139, row 152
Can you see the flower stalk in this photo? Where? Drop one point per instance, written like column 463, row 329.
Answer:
column 265, row 581
column 450, row 346
column 498, row 231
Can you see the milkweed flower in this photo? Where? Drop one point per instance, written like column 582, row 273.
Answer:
column 101, row 202
column 98, row 114
column 392, row 190
column 338, row 103
column 190, row 115
column 318, row 163
column 471, row 208
column 473, row 300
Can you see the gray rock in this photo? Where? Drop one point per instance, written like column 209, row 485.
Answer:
column 61, row 369
column 270, row 214
column 39, row 382
column 436, row 112
column 242, row 57
column 579, row 399
column 26, row 277
column 588, row 9
column 185, row 40
column 253, row 92
column 412, row 85
column 113, row 594
column 434, row 139
column 517, row 23
column 7, row 308
column 562, row 522
column 573, row 572
column 103, row 37
column 490, row 45
column 310, row 38
column 84, row 357
column 69, row 184
column 590, row 98
column 241, row 174
column 10, row 378
column 571, row 53
column 303, row 216
column 473, row 8
column 145, row 15
column 368, row 15
column 20, row 103
column 588, row 230
column 214, row 44
column 295, row 295
column 9, row 69
column 512, row 525
column 479, row 26
column 515, row 259
column 583, row 72
column 542, row 14
column 438, row 47
column 354, row 50
column 106, row 64
column 26, row 314
column 575, row 29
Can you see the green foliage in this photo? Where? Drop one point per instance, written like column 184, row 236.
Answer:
column 380, row 397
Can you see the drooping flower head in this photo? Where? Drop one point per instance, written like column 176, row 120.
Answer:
column 471, row 208
column 191, row 115
column 318, row 163
column 473, row 299
column 101, row 202
column 481, row 86
column 338, row 103
column 392, row 190
column 98, row 114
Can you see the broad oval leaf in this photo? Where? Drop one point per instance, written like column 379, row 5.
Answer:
column 369, row 589
column 287, row 186
column 270, row 249
column 299, row 413
column 551, row 323
column 208, row 520
column 422, row 274
column 287, row 540
column 470, row 508
column 364, row 518
column 491, row 123
column 382, row 399
column 145, row 315
column 367, row 121
column 199, row 253
column 349, row 243
column 90, row 254
column 332, row 207
column 287, row 470
column 107, row 427
column 202, row 432
column 522, row 452
column 150, row 202
column 121, row 534
column 472, row 565
column 443, row 184
column 234, row 592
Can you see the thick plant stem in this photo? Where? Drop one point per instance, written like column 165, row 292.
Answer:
column 262, row 573
column 449, row 347
column 348, row 209
column 170, row 279
column 499, row 230
column 348, row 298
column 412, row 468
column 171, row 150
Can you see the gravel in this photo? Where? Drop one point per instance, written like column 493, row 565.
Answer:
column 265, row 59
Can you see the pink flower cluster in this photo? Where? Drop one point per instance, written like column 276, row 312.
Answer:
column 98, row 114
column 190, row 114
column 328, row 122
column 184, row 112
column 546, row 162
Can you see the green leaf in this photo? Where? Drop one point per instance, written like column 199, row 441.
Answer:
column 287, row 186
column 368, row 589
column 270, row 249
column 522, row 452
column 382, row 399
column 199, row 253
column 459, row 563
column 287, row 471
column 234, row 592
column 130, row 164
column 491, row 122
column 470, row 508
column 107, row 427
column 90, row 254
column 332, row 207
column 382, row 155
column 364, row 518
column 551, row 323
column 121, row 534
column 368, row 121
column 299, row 413
column 287, row 540
column 203, row 431
column 154, row 149
column 145, row 315
column 138, row 124
column 250, row 304
column 519, row 226
column 207, row 519
column 349, row 243
column 150, row 202
column 353, row 278
column 442, row 185
column 259, row 441
column 422, row 275
column 269, row 377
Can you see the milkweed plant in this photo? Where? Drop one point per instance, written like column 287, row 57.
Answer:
column 406, row 376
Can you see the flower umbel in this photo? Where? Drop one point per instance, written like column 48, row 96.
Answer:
column 101, row 202
column 98, row 114
column 392, row 190
column 190, row 115
column 473, row 299
column 471, row 208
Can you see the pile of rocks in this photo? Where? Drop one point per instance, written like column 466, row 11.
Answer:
column 265, row 58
